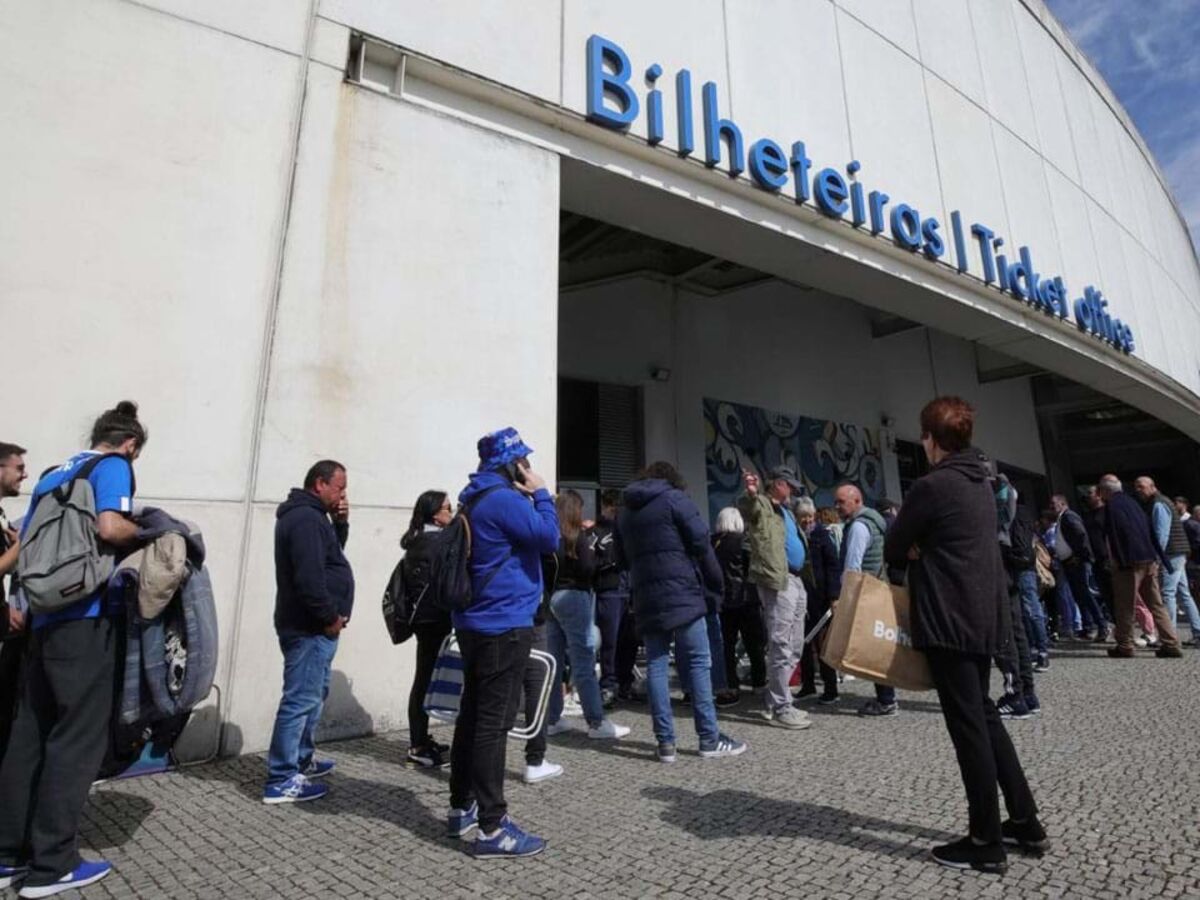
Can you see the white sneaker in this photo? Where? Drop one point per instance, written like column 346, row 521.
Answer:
column 562, row 726
column 534, row 774
column 1139, row 642
column 608, row 729
column 571, row 706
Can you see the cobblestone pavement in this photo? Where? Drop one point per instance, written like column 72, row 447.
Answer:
column 847, row 809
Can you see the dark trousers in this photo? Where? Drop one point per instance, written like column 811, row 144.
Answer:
column 985, row 752
column 1090, row 612
column 627, row 648
column 746, row 621
column 1015, row 662
column 429, row 641
column 12, row 651
column 610, row 609
column 493, row 675
column 535, row 747
column 58, row 742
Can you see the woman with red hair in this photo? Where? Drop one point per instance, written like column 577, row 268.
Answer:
column 945, row 534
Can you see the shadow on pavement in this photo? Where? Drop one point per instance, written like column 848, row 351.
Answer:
column 112, row 818
column 729, row 814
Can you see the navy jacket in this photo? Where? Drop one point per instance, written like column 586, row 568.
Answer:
column 313, row 581
column 1129, row 532
column 663, row 541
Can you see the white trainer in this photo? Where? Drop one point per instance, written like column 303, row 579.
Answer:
column 608, row 730
column 534, row 774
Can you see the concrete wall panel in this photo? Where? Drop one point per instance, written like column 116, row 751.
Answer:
column 947, row 40
column 514, row 42
column 139, row 225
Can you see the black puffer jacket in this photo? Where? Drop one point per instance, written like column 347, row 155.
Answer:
column 958, row 585
column 734, row 558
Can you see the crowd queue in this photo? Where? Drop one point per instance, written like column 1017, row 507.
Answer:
column 737, row 609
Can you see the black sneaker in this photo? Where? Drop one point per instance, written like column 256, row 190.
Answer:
column 608, row 698
column 805, row 691
column 966, row 854
column 1012, row 706
column 828, row 699
column 1165, row 652
column 726, row 698
column 1029, row 836
column 428, row 757
column 875, row 708
column 1042, row 664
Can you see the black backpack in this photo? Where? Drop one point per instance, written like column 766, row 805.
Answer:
column 398, row 613
column 1019, row 554
column 450, row 564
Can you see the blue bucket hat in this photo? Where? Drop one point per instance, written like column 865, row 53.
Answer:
column 500, row 448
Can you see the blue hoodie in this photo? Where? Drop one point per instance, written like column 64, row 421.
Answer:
column 509, row 536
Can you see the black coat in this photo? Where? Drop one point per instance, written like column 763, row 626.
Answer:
column 958, row 584
column 313, row 581
column 663, row 541
column 575, row 573
column 415, row 566
column 734, row 558
column 1074, row 532
column 826, row 568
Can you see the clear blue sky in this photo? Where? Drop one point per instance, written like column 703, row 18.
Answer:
column 1149, row 53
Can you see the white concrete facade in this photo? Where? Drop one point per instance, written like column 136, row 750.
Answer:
column 202, row 214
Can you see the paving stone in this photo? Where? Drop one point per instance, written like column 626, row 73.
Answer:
column 847, row 809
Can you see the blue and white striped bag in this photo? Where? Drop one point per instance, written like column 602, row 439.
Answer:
column 445, row 688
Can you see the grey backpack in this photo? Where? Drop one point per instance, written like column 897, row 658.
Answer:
column 62, row 559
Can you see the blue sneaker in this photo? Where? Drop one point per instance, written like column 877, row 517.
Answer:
column 461, row 822
column 84, row 874
column 296, row 789
column 10, row 875
column 509, row 842
column 317, row 768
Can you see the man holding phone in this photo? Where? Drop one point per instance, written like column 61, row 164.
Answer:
column 314, row 595
column 513, row 523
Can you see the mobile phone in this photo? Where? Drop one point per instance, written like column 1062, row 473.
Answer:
column 515, row 473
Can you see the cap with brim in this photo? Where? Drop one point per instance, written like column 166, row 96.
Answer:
column 783, row 473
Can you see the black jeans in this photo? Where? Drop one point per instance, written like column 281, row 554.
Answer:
column 429, row 641
column 535, row 747
column 1015, row 662
column 984, row 750
column 12, row 651
column 627, row 649
column 610, row 609
column 745, row 621
column 493, row 675
column 58, row 742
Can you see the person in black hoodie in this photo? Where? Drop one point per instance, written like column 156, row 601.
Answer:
column 823, row 574
column 945, row 534
column 430, row 625
column 314, row 595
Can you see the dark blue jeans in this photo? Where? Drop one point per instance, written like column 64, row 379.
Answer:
column 307, row 659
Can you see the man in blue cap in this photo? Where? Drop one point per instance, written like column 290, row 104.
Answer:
column 513, row 522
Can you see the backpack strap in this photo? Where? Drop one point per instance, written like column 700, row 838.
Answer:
column 465, row 512
column 61, row 491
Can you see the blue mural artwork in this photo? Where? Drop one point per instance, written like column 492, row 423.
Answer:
column 822, row 452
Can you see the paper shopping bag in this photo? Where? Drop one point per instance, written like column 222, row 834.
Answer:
column 870, row 635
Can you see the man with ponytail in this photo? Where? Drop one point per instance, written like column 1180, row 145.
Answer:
column 61, row 732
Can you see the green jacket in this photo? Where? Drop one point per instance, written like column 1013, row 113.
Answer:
column 764, row 531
